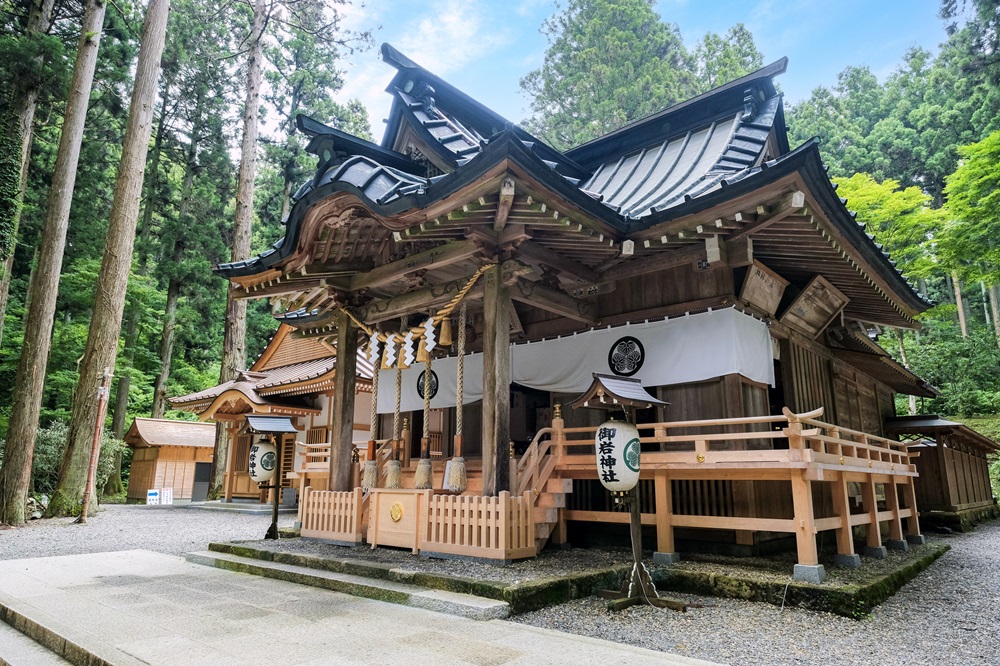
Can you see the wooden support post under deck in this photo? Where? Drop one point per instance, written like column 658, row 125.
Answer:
column 870, row 505
column 842, row 508
column 913, row 522
column 664, row 513
column 805, row 533
column 496, row 383
column 342, row 433
column 895, row 523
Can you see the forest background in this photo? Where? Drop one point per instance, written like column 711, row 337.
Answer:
column 917, row 156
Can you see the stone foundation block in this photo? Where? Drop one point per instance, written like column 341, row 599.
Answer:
column 666, row 558
column 878, row 552
column 894, row 544
column 916, row 539
column 852, row 561
column 809, row 573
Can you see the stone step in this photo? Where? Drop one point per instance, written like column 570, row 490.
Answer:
column 16, row 649
column 454, row 603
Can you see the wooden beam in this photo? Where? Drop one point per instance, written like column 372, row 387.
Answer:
column 506, row 201
column 537, row 254
column 438, row 257
column 654, row 262
column 418, row 300
column 277, row 288
column 554, row 300
column 740, row 251
column 790, row 204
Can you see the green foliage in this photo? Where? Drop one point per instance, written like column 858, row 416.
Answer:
column 962, row 369
column 50, row 444
column 724, row 58
column 974, row 202
column 900, row 219
column 607, row 64
column 909, row 128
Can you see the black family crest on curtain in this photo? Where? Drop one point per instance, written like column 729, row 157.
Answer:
column 626, row 356
column 434, row 384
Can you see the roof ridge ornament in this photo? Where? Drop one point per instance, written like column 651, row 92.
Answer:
column 752, row 98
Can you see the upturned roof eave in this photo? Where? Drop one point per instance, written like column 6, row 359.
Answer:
column 806, row 161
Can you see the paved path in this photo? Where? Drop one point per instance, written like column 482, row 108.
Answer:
column 140, row 607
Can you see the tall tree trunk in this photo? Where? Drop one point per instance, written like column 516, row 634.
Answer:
column 995, row 307
column 167, row 341
column 174, row 285
column 109, row 302
column 960, row 302
column 986, row 304
column 44, row 286
column 234, row 342
column 114, row 484
column 18, row 129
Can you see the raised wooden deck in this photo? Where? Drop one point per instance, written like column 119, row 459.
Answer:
column 808, row 476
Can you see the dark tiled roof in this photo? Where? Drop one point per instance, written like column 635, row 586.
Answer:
column 665, row 174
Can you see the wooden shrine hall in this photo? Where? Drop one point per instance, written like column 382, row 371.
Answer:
column 489, row 275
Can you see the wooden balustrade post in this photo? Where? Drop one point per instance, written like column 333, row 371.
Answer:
column 895, row 540
column 874, row 547
column 665, row 551
column 504, row 515
column 846, row 557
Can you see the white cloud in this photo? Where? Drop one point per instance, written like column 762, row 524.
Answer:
column 450, row 35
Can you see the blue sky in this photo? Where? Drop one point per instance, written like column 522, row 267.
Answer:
column 484, row 47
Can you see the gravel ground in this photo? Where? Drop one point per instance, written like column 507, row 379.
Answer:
column 165, row 529
column 950, row 614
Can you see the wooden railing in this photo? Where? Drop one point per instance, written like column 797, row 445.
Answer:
column 333, row 516
column 500, row 528
column 535, row 467
column 800, row 440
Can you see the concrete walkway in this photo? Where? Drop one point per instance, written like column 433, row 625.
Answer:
column 139, row 607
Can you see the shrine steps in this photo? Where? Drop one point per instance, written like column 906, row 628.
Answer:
column 370, row 587
column 551, row 498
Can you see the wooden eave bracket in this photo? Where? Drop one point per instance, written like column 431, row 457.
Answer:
column 506, row 202
column 553, row 300
column 449, row 253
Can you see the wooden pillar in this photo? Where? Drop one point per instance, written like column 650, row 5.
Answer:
column 342, row 433
column 842, row 507
column 496, row 383
column 870, row 505
column 805, row 520
column 892, row 504
column 913, row 522
column 664, row 512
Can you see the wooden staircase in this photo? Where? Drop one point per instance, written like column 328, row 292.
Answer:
column 533, row 477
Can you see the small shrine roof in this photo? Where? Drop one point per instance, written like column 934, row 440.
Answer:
column 609, row 391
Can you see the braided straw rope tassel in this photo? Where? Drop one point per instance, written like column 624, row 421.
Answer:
column 369, row 477
column 423, row 479
column 458, row 479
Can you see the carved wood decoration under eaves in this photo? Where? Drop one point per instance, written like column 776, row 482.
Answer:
column 815, row 307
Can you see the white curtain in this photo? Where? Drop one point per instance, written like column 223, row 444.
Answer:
column 673, row 351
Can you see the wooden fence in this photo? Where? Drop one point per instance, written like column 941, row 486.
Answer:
column 499, row 528
column 333, row 516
